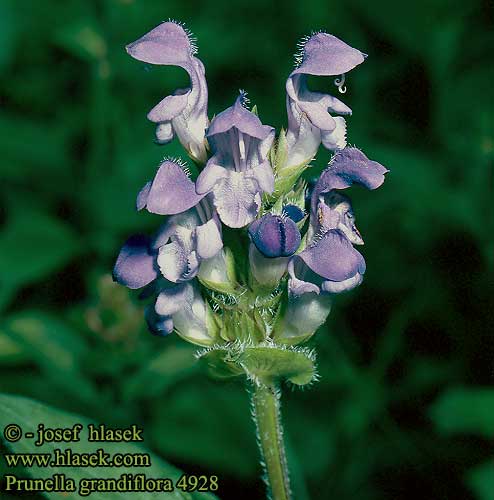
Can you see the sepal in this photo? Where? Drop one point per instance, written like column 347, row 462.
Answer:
column 218, row 273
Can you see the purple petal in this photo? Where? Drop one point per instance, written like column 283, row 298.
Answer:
column 237, row 116
column 333, row 257
column 237, row 199
column 171, row 191
column 264, row 176
column 294, row 212
column 177, row 263
column 331, row 103
column 170, row 107
column 266, row 271
column 342, row 286
column 158, row 325
column 142, row 197
column 349, row 166
column 335, row 212
column 191, row 320
column 184, row 113
column 318, row 115
column 209, row 176
column 136, row 263
column 168, row 43
column 275, row 236
column 164, row 133
column 296, row 286
column 188, row 219
column 326, row 55
column 336, row 139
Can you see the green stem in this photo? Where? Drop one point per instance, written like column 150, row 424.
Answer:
column 266, row 413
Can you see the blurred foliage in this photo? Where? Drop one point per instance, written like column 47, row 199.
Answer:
column 405, row 403
column 28, row 414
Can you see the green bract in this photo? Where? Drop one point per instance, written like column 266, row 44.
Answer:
column 265, row 363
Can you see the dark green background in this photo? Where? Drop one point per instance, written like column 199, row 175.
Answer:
column 405, row 405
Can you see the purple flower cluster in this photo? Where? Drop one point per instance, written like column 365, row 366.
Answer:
column 248, row 182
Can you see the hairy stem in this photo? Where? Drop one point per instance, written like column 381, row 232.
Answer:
column 266, row 413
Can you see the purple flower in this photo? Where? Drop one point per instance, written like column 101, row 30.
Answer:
column 330, row 264
column 178, row 306
column 182, row 308
column 347, row 167
column 334, row 211
column 303, row 315
column 183, row 113
column 136, row 264
column 309, row 119
column 192, row 233
column 160, row 326
column 275, row 235
column 239, row 171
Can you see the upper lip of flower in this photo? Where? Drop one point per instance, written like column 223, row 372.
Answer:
column 348, row 166
column 237, row 116
column 322, row 54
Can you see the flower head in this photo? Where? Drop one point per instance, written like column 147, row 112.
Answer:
column 217, row 266
column 183, row 113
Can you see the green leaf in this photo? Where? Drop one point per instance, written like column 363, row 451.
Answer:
column 33, row 245
column 11, row 351
column 209, row 424
column 281, row 151
column 481, row 480
column 170, row 366
column 9, row 31
column 46, row 158
column 83, row 39
column 265, row 363
column 285, row 180
column 28, row 414
column 53, row 345
column 464, row 410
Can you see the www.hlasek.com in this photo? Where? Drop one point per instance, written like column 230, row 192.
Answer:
column 70, row 459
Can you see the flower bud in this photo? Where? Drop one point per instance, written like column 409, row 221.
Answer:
column 275, row 235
